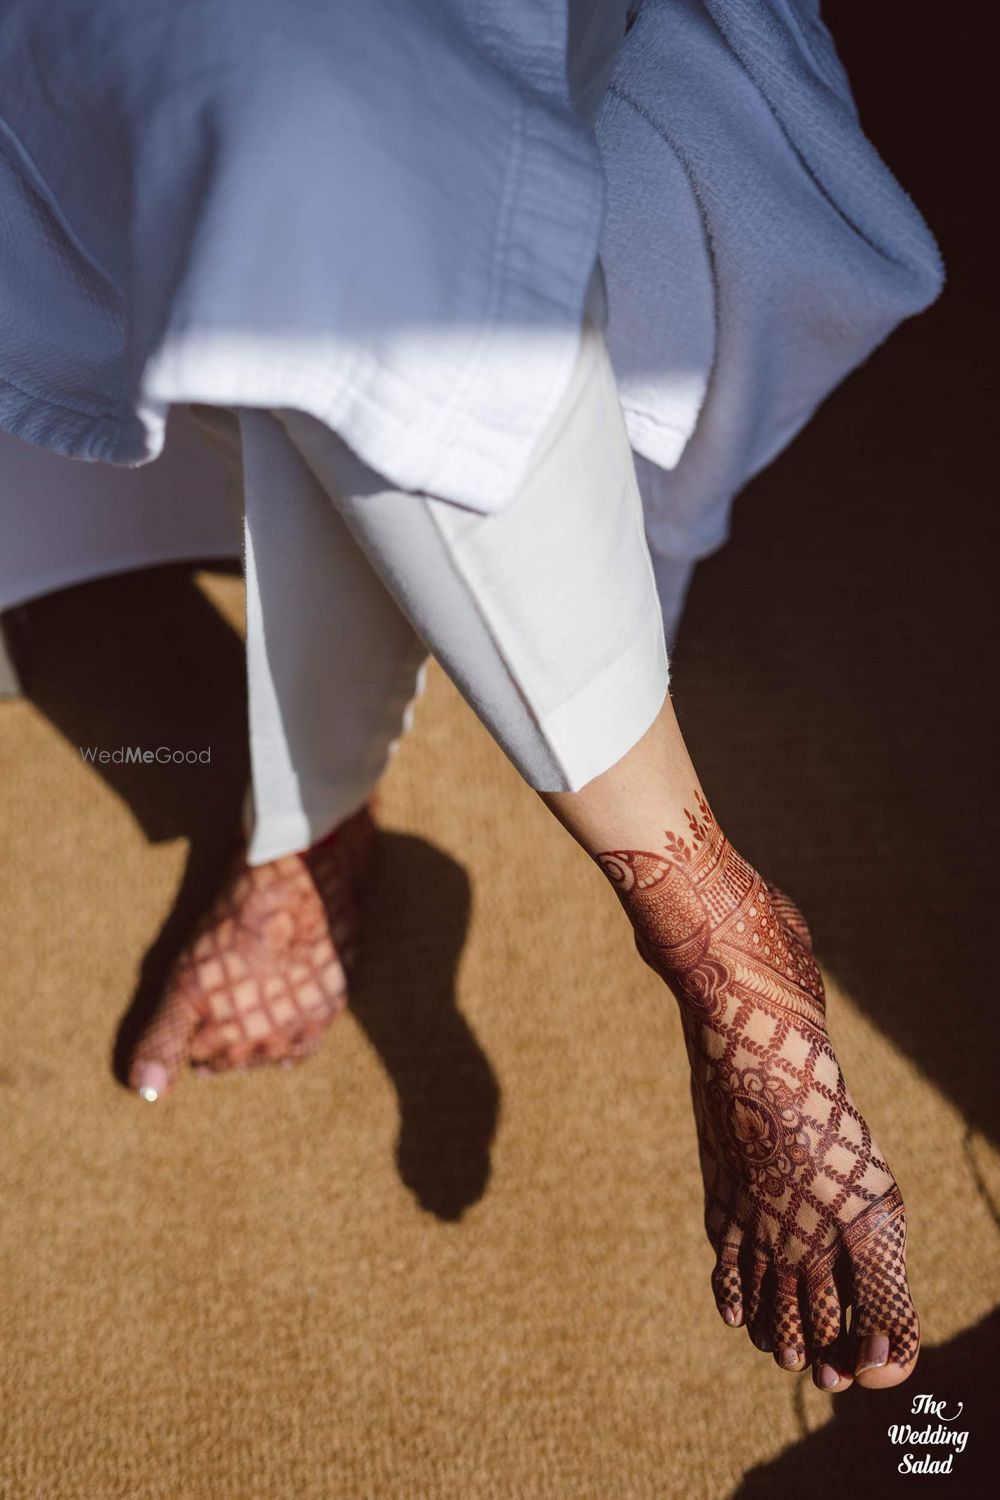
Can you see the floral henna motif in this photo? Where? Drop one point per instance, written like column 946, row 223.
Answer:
column 800, row 1206
column 265, row 972
column 762, row 1130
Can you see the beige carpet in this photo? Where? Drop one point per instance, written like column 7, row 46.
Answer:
column 458, row 1256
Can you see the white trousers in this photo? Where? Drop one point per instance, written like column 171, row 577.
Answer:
column 545, row 616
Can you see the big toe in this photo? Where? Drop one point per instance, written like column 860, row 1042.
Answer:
column 164, row 1047
column 884, row 1326
column 887, row 1356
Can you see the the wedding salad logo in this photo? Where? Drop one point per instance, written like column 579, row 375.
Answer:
column 934, row 1438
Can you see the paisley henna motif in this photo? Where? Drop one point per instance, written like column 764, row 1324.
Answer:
column 798, row 1199
column 700, row 906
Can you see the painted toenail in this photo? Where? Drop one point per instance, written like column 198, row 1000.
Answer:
column 729, row 1316
column 874, row 1352
column 828, row 1378
column 151, row 1081
column 789, row 1358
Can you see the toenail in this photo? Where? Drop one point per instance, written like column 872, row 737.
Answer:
column 729, row 1316
column 828, row 1378
column 151, row 1081
column 874, row 1352
column 789, row 1357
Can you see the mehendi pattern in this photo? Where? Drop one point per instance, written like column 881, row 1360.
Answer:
column 800, row 1206
column 266, row 971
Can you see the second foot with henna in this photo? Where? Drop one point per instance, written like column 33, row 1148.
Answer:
column 804, row 1216
column 266, row 970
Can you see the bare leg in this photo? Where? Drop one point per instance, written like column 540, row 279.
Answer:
column 803, row 1214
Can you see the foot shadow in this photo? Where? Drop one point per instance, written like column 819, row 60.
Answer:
column 852, row 1454
column 416, row 918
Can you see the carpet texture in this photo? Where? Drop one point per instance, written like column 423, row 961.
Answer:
column 458, row 1256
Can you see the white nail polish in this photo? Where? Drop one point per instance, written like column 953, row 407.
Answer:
column 148, row 1093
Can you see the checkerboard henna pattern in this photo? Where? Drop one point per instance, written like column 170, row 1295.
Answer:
column 801, row 1209
column 266, row 970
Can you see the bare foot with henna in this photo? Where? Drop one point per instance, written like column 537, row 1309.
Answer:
column 266, row 970
column 803, row 1214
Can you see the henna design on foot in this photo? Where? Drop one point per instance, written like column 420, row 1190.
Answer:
column 800, row 1207
column 266, row 970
